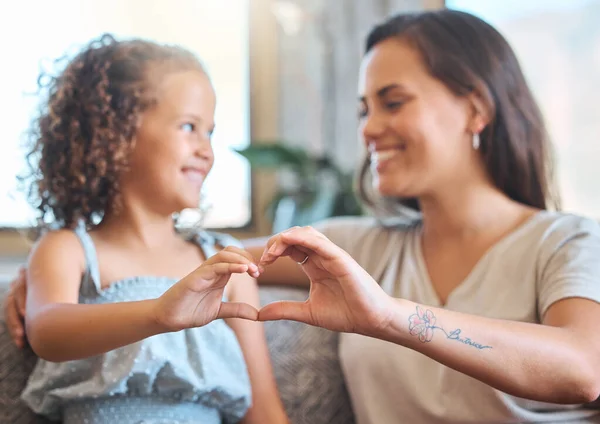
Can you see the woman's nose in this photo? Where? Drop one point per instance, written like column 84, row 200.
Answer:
column 372, row 127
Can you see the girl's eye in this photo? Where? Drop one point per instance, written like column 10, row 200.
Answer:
column 189, row 127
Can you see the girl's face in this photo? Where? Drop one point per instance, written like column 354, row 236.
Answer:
column 173, row 153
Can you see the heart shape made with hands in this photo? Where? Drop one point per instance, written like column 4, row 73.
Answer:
column 342, row 297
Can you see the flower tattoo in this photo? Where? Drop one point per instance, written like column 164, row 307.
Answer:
column 422, row 323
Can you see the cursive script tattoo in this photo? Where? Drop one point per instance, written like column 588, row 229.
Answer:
column 455, row 335
column 422, row 324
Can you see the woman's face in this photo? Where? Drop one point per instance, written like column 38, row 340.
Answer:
column 417, row 132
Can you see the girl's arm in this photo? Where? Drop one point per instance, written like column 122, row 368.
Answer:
column 58, row 328
column 266, row 407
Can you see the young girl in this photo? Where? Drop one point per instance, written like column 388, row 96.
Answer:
column 127, row 326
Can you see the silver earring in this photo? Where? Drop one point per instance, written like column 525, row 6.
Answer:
column 476, row 141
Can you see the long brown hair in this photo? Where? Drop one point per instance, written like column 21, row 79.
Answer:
column 468, row 55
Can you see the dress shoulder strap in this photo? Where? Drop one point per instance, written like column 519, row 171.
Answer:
column 90, row 285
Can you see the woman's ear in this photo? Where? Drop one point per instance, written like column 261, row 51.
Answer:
column 480, row 113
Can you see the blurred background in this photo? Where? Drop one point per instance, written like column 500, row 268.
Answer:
column 285, row 72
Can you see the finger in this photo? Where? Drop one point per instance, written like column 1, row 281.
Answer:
column 253, row 269
column 276, row 249
column 296, row 253
column 227, row 255
column 295, row 311
column 273, row 240
column 14, row 323
column 224, row 268
column 305, row 239
column 19, row 279
column 21, row 296
column 233, row 257
column 237, row 310
column 214, row 273
column 241, row 251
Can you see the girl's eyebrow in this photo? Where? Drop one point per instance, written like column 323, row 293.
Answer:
column 192, row 116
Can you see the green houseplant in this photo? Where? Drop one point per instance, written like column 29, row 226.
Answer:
column 310, row 187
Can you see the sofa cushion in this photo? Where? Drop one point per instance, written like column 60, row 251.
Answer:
column 15, row 366
column 306, row 366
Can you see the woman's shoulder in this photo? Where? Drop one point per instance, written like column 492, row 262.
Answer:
column 555, row 227
column 359, row 227
column 554, row 239
column 566, row 221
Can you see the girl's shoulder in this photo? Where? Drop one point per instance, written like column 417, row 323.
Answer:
column 60, row 247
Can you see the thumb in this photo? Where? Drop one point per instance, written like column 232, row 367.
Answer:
column 237, row 310
column 295, row 311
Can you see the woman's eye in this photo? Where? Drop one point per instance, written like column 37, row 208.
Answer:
column 189, row 127
column 394, row 105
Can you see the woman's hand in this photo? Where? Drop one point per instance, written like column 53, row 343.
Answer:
column 14, row 308
column 197, row 299
column 343, row 296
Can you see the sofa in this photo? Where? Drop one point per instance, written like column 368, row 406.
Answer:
column 305, row 361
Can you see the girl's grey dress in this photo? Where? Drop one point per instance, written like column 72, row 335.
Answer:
column 191, row 376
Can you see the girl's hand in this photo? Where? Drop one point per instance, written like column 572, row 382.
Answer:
column 197, row 299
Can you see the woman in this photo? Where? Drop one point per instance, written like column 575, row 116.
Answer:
column 483, row 308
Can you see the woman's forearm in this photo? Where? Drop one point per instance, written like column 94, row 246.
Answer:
column 532, row 361
column 63, row 332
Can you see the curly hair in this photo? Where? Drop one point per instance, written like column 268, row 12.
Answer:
column 82, row 139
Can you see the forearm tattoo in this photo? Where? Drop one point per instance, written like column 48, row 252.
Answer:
column 422, row 324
